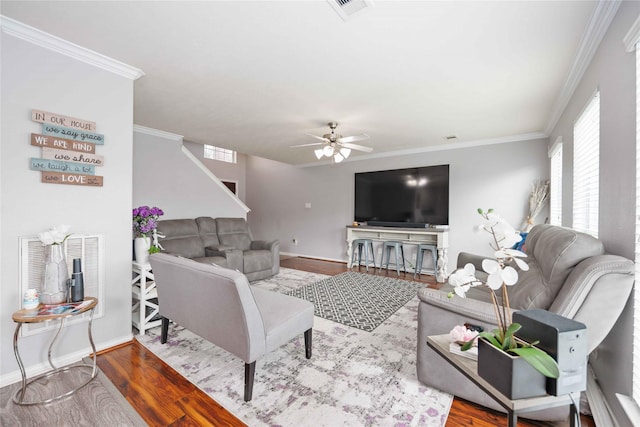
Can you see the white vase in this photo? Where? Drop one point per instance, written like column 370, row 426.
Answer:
column 141, row 246
column 56, row 274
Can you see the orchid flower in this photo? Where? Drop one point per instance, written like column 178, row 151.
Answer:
column 55, row 236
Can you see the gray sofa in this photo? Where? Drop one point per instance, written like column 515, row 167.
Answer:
column 226, row 242
column 569, row 274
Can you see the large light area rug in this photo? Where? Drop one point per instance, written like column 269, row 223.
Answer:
column 355, row 378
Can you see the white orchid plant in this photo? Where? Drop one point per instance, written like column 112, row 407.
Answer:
column 501, row 275
column 55, row 236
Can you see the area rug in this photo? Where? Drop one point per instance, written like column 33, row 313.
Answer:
column 355, row 378
column 358, row 300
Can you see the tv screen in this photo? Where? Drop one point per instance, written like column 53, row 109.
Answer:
column 412, row 197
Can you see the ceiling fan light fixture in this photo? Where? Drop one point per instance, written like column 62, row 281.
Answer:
column 328, row 150
column 319, row 153
column 345, row 152
column 338, row 158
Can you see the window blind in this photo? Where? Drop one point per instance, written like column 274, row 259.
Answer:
column 586, row 168
column 555, row 196
column 89, row 248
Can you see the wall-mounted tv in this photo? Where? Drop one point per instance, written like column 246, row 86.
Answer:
column 413, row 197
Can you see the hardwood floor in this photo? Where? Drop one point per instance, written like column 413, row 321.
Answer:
column 164, row 398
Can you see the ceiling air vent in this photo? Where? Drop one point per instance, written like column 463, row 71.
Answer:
column 347, row 8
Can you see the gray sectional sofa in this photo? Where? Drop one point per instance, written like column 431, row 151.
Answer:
column 226, row 242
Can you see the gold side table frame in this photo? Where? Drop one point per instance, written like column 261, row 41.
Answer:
column 469, row 368
column 21, row 317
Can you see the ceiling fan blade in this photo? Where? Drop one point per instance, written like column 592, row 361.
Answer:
column 354, row 138
column 356, row 147
column 307, row 145
column 321, row 138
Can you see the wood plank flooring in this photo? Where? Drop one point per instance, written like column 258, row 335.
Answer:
column 164, row 398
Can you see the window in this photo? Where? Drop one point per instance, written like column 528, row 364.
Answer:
column 555, row 198
column 586, row 168
column 217, row 153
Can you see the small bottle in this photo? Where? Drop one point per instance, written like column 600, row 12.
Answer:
column 77, row 288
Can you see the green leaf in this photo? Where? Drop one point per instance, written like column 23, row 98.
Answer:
column 490, row 210
column 540, row 360
column 480, row 211
column 491, row 338
column 467, row 345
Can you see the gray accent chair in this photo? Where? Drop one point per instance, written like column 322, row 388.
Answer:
column 260, row 258
column 219, row 305
column 569, row 275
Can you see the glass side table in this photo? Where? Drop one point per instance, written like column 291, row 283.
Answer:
column 21, row 317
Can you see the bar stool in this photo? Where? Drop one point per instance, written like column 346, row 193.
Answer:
column 367, row 245
column 420, row 255
column 399, row 253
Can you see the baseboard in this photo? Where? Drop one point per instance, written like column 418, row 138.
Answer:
column 343, row 261
column 40, row 368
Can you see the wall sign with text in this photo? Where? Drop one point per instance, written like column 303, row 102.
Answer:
column 68, row 150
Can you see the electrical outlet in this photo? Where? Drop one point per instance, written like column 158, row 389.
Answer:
column 295, row 241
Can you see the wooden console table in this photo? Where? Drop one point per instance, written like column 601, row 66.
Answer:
column 411, row 236
column 469, row 368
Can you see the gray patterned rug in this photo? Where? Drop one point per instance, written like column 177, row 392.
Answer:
column 358, row 300
column 355, row 378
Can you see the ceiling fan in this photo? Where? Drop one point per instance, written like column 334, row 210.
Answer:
column 335, row 145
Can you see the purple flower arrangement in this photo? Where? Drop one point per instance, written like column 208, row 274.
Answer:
column 145, row 220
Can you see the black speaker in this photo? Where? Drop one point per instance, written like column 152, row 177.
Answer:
column 563, row 339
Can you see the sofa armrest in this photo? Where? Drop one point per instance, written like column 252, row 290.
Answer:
column 465, row 258
column 264, row 244
column 456, row 310
column 233, row 256
column 218, row 250
column 274, row 247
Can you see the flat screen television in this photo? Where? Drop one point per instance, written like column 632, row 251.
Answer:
column 413, row 197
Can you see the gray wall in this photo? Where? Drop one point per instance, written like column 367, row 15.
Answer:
column 224, row 171
column 37, row 78
column 613, row 72
column 164, row 176
column 495, row 176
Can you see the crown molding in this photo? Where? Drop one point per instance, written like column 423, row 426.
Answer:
column 158, row 133
column 633, row 36
column 594, row 32
column 64, row 47
column 441, row 147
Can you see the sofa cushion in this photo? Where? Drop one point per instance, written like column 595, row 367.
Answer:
column 552, row 252
column 208, row 231
column 181, row 237
column 234, row 232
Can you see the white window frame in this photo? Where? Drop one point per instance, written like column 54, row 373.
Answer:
column 586, row 168
column 631, row 405
column 89, row 248
column 219, row 153
column 555, row 182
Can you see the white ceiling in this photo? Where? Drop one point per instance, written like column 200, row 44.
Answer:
column 256, row 76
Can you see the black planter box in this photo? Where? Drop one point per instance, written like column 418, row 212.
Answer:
column 510, row 375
